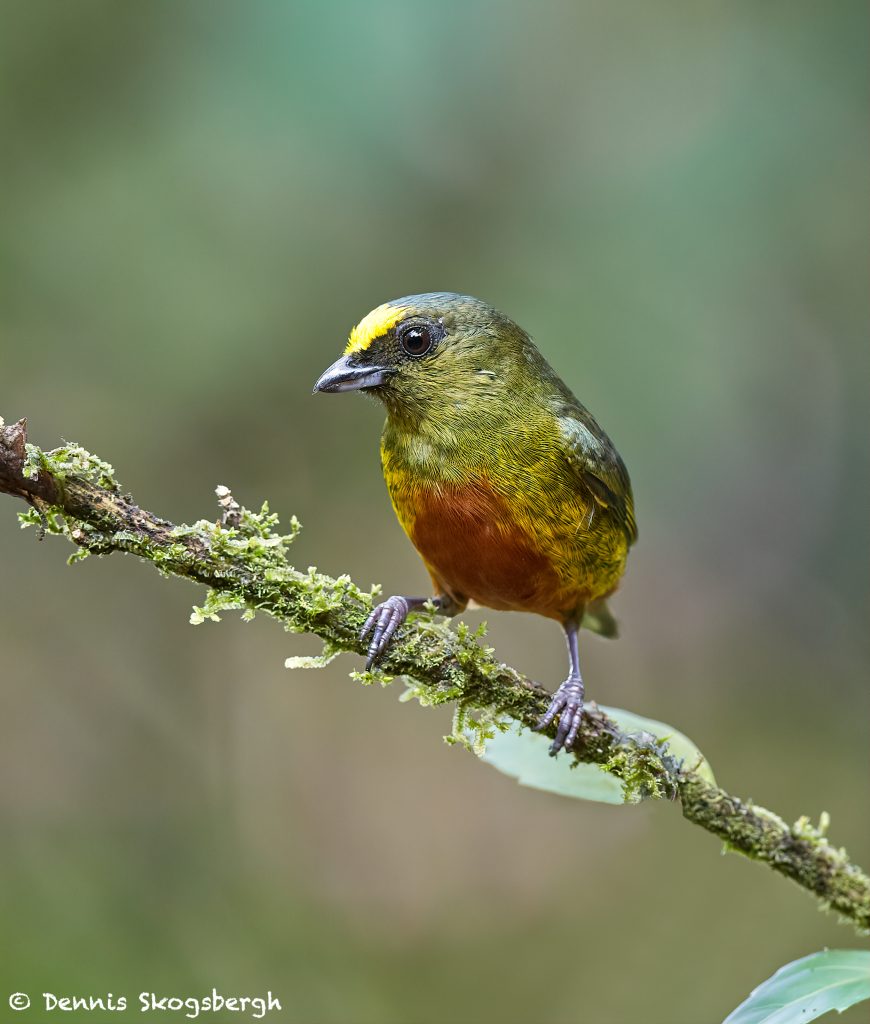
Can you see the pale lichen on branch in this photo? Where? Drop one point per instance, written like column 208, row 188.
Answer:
column 242, row 560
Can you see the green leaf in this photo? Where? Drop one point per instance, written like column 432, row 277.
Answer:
column 834, row 979
column 524, row 755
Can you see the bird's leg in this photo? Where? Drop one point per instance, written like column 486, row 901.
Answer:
column 567, row 701
column 386, row 618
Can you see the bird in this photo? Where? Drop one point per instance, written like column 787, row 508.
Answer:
column 512, row 494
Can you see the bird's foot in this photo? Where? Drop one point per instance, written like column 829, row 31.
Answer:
column 382, row 624
column 567, row 703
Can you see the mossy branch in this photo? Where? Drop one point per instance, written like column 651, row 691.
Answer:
column 242, row 559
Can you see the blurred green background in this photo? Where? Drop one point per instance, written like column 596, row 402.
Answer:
column 199, row 200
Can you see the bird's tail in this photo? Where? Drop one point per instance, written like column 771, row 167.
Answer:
column 599, row 619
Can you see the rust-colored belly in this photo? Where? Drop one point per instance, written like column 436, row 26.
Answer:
column 475, row 550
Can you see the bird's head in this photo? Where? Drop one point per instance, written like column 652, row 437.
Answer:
column 427, row 352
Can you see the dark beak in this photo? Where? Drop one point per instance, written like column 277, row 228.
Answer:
column 345, row 375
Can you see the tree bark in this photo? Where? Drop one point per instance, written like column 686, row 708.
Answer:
column 242, row 559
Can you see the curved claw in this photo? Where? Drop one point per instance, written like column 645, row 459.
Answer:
column 382, row 624
column 567, row 703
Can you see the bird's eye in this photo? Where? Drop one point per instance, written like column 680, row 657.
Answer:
column 417, row 339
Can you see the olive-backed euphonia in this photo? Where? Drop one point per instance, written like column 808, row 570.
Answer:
column 509, row 489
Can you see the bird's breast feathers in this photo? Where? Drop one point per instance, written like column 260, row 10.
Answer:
column 516, row 534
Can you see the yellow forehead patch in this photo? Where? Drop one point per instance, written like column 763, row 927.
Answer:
column 373, row 325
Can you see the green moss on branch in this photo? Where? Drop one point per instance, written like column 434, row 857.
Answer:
column 243, row 561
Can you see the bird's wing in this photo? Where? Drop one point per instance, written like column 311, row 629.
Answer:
column 597, row 464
